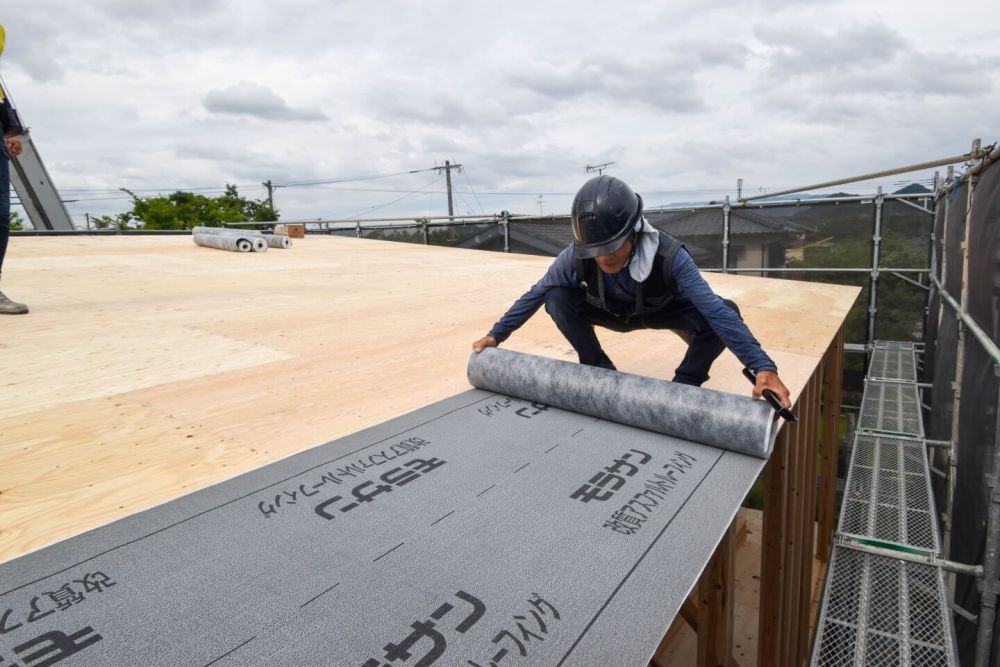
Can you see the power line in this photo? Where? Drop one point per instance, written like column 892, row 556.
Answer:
column 371, row 209
column 346, row 179
column 467, row 207
column 254, row 186
column 466, row 174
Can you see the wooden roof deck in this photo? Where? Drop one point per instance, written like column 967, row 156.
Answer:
column 150, row 367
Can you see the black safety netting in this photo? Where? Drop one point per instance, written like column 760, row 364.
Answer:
column 980, row 385
column 934, row 301
column 954, row 236
column 976, row 442
column 984, row 253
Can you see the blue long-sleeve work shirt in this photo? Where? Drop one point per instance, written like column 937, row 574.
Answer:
column 621, row 287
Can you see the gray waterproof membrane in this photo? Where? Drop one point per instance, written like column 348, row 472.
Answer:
column 479, row 530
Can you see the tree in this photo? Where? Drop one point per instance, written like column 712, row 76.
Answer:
column 118, row 221
column 900, row 305
column 184, row 210
column 16, row 221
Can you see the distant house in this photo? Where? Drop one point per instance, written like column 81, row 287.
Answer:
column 798, row 252
column 756, row 240
column 547, row 236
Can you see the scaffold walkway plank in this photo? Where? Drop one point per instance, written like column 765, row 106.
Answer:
column 888, row 497
column 891, row 408
column 894, row 345
column 883, row 611
column 895, row 364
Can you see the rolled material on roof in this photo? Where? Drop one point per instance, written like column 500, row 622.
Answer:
column 261, row 242
column 277, row 241
column 230, row 242
column 225, row 230
column 705, row 416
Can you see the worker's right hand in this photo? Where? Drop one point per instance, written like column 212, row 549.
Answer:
column 13, row 146
column 483, row 343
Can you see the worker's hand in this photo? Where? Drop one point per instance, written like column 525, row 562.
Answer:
column 13, row 145
column 483, row 343
column 770, row 380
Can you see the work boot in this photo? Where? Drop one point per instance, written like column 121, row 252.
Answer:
column 8, row 307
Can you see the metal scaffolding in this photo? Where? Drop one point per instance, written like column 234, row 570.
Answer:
column 887, row 593
column 883, row 611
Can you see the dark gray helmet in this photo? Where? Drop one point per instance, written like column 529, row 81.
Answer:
column 604, row 213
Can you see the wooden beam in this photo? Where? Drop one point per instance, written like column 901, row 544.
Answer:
column 793, row 536
column 809, row 451
column 689, row 610
column 833, row 378
column 715, row 606
column 772, row 553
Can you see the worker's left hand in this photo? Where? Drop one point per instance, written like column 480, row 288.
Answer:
column 770, row 380
column 13, row 145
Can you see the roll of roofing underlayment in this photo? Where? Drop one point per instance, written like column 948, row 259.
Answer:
column 726, row 421
column 271, row 240
column 231, row 242
column 224, row 230
column 277, row 241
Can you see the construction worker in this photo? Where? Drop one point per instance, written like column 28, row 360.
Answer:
column 11, row 146
column 623, row 274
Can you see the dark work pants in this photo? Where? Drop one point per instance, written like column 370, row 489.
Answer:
column 4, row 203
column 576, row 319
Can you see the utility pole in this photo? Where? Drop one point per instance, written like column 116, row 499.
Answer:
column 270, row 193
column 540, row 204
column 87, row 216
column 739, row 189
column 599, row 168
column 448, row 166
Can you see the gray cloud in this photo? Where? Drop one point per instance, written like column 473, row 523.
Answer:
column 251, row 99
column 799, row 50
column 610, row 79
column 434, row 108
column 682, row 95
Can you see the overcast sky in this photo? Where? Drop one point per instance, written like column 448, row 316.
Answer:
column 685, row 97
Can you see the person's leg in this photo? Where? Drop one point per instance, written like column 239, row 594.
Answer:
column 704, row 345
column 4, row 205
column 7, row 307
column 575, row 318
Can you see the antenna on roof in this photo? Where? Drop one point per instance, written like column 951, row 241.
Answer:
column 599, row 168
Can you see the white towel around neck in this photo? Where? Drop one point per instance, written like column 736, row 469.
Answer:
column 647, row 241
